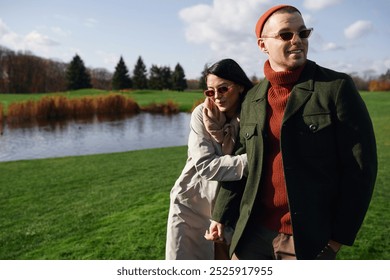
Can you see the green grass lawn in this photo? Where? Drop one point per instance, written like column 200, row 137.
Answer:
column 372, row 241
column 114, row 206
column 89, row 207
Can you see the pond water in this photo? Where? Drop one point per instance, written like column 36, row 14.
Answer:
column 142, row 131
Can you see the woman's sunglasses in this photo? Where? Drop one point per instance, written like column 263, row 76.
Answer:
column 287, row 36
column 220, row 90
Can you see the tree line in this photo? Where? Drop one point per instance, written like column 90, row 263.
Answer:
column 23, row 72
column 380, row 83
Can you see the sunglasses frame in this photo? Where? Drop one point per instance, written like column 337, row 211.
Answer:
column 281, row 35
column 221, row 90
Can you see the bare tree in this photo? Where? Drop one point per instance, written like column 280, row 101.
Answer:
column 101, row 78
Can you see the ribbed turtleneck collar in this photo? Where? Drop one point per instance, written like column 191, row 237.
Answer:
column 283, row 78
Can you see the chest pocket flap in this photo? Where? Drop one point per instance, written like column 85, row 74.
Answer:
column 248, row 131
column 317, row 122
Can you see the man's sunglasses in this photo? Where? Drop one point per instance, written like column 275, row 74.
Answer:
column 287, row 36
column 220, row 90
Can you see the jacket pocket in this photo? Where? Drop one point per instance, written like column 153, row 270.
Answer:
column 249, row 135
column 316, row 122
column 247, row 131
column 318, row 135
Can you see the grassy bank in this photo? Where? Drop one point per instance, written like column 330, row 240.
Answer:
column 185, row 100
column 114, row 206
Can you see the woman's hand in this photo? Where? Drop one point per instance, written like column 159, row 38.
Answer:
column 215, row 232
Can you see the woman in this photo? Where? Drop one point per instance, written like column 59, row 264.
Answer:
column 214, row 128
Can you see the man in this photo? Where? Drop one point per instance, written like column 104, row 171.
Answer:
column 311, row 154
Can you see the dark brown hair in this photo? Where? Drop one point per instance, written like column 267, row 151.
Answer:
column 230, row 70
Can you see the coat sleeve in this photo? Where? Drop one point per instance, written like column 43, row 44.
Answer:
column 207, row 156
column 358, row 156
column 227, row 206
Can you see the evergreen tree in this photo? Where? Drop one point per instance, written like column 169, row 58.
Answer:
column 77, row 75
column 155, row 78
column 179, row 82
column 140, row 80
column 166, row 77
column 160, row 77
column 121, row 78
column 202, row 80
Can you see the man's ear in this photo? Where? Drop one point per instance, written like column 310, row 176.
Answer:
column 261, row 44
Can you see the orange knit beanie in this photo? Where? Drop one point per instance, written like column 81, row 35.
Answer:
column 260, row 23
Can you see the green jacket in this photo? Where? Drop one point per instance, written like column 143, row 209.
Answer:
column 329, row 160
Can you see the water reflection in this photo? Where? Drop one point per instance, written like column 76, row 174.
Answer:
column 141, row 131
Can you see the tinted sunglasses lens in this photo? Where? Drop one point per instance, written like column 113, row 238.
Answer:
column 222, row 90
column 305, row 33
column 209, row 93
column 286, row 36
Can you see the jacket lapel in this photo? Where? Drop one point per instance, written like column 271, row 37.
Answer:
column 259, row 104
column 301, row 91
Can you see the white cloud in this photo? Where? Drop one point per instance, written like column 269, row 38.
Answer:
column 379, row 66
column 219, row 22
column 38, row 43
column 110, row 59
column 7, row 37
column 227, row 27
column 370, row 68
column 358, row 29
column 3, row 27
column 320, row 4
column 386, row 63
column 36, row 38
column 34, row 41
column 331, row 47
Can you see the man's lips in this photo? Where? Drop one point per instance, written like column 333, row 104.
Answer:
column 295, row 51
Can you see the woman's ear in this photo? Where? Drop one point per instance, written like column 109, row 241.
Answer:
column 242, row 88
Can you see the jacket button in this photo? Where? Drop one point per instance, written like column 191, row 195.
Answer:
column 313, row 127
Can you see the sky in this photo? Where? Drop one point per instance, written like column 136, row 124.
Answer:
column 349, row 36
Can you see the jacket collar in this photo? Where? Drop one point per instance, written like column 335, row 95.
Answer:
column 305, row 82
column 299, row 94
column 260, row 91
column 301, row 91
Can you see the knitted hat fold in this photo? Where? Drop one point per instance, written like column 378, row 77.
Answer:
column 262, row 20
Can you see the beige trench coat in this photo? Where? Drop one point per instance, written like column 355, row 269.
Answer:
column 193, row 195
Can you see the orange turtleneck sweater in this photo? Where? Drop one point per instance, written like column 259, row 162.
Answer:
column 274, row 211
